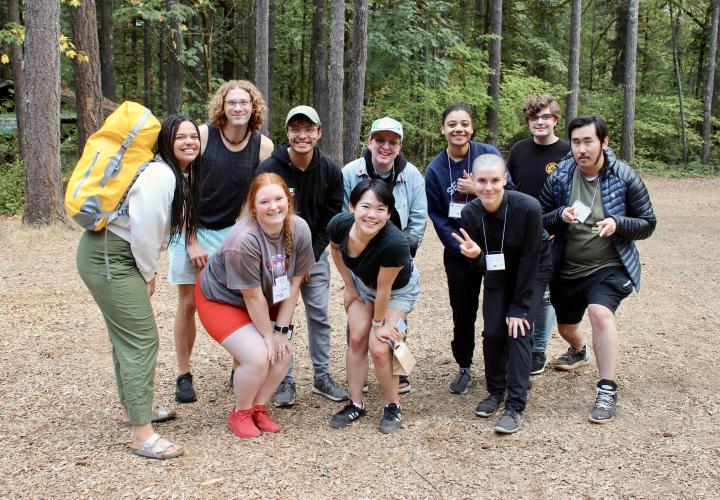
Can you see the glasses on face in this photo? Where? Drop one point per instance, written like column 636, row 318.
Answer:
column 243, row 103
column 302, row 130
column 393, row 143
column 546, row 117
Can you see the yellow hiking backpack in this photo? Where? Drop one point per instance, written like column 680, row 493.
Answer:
column 112, row 159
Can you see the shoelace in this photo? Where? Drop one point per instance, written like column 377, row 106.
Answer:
column 604, row 400
column 392, row 413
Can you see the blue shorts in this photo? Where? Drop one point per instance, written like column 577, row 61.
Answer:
column 403, row 299
column 181, row 271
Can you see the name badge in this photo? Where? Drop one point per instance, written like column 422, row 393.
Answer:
column 281, row 289
column 582, row 211
column 495, row 261
column 455, row 209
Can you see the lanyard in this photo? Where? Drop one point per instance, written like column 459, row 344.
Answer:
column 502, row 241
column 450, row 173
column 597, row 185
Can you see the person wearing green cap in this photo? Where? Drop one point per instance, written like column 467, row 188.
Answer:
column 383, row 160
column 316, row 184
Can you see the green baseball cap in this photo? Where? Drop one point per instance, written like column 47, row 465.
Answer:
column 303, row 110
column 386, row 124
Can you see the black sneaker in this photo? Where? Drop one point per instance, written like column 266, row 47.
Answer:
column 391, row 420
column 231, row 381
column 460, row 384
column 605, row 401
column 573, row 358
column 404, row 386
column 347, row 416
column 184, row 392
column 509, row 422
column 489, row 405
column 539, row 362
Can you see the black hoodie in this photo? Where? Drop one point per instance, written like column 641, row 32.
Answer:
column 318, row 190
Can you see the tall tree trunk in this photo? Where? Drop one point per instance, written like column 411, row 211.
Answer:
column 107, row 56
column 250, row 41
column 271, row 65
column 319, row 62
column 480, row 21
column 16, row 59
column 357, row 80
column 88, row 90
column 675, row 28
column 709, row 83
column 494, row 78
column 334, row 123
column 621, row 41
column 43, row 197
column 205, row 17
column 147, row 64
column 228, row 61
column 573, row 85
column 174, row 67
column 262, row 73
column 627, row 145
column 161, row 68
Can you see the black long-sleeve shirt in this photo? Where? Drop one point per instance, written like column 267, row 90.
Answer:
column 318, row 190
column 522, row 246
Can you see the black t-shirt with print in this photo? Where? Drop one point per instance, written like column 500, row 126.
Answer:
column 530, row 163
column 389, row 248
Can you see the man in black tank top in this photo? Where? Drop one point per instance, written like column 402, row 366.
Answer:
column 232, row 149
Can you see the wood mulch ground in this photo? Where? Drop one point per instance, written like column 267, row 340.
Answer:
column 61, row 437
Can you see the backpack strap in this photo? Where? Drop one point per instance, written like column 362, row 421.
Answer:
column 114, row 166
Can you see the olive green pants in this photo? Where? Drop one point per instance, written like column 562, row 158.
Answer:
column 124, row 303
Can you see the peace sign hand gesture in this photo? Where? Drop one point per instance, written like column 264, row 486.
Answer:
column 468, row 247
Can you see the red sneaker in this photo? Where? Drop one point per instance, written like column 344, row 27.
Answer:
column 263, row 421
column 241, row 424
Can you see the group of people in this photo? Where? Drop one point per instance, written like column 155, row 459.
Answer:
column 250, row 227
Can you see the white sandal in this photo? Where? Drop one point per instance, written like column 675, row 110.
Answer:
column 148, row 450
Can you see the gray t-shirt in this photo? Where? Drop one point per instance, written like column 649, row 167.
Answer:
column 249, row 258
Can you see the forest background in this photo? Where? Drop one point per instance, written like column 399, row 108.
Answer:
column 647, row 66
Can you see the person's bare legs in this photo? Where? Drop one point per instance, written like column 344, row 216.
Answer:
column 184, row 329
column 605, row 340
column 359, row 319
column 255, row 379
column 572, row 335
column 382, row 361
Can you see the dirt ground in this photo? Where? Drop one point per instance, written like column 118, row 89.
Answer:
column 61, row 437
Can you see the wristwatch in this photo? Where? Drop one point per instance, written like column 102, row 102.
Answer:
column 285, row 330
column 378, row 324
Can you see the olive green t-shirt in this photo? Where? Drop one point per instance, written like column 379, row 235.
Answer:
column 585, row 251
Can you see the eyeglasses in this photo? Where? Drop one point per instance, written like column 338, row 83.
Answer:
column 546, row 117
column 302, row 130
column 392, row 143
column 243, row 103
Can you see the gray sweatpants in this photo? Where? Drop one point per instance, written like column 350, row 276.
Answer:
column 315, row 294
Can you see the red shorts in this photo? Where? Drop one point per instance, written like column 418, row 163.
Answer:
column 220, row 319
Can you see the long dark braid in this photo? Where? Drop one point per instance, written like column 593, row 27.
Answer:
column 186, row 199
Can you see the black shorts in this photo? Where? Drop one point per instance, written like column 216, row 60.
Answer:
column 607, row 287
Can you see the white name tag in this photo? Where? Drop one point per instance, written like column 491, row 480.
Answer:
column 582, row 211
column 495, row 261
column 281, row 289
column 455, row 209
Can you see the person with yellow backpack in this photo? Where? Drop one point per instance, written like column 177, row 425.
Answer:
column 119, row 264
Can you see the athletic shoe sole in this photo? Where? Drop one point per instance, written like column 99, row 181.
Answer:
column 503, row 430
column 541, row 370
column 462, row 392
column 404, row 390
column 569, row 368
column 330, row 397
column 601, row 421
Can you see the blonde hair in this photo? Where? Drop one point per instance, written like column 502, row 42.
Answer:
column 216, row 106
column 248, row 208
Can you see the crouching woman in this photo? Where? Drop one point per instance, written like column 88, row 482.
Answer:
column 246, row 296
column 502, row 235
column 381, row 286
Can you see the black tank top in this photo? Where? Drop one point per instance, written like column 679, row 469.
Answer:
column 226, row 178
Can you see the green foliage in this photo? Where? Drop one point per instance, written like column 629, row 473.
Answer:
column 11, row 177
